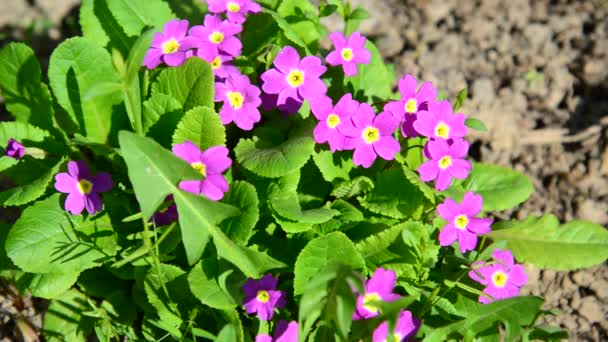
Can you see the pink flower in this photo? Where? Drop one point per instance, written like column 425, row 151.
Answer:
column 170, row 46
column 210, row 164
column 221, row 65
column 215, row 37
column 241, row 101
column 261, row 296
column 439, row 122
column 82, row 188
column 283, row 332
column 446, row 162
column 235, row 9
column 370, row 136
column 462, row 223
column 292, row 78
column 14, row 149
column 412, row 102
column 378, row 288
column 406, row 328
column 503, row 278
column 348, row 53
column 331, row 119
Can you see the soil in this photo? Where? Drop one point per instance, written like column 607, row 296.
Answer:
column 537, row 75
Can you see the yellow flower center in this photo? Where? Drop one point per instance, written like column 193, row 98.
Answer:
column 442, row 130
column 216, row 37
column 200, row 168
column 371, row 297
column 295, row 78
column 347, row 54
column 461, row 221
column 397, row 337
column 236, row 99
column 499, row 278
column 84, row 186
column 333, row 120
column 170, row 46
column 411, row 106
column 263, row 296
column 233, row 7
column 445, row 162
column 371, row 135
column 216, row 63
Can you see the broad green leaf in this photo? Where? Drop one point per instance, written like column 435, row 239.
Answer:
column 31, row 191
column 47, row 239
column 394, row 196
column 414, row 178
column 373, row 79
column 168, row 292
column 258, row 31
column 288, row 30
column 192, row 84
column 542, row 242
column 202, row 126
column 356, row 186
column 243, row 196
column 334, row 248
column 475, row 124
column 25, row 96
column 191, row 10
column 22, row 132
column 163, row 111
column 120, row 307
column 135, row 15
column 75, row 67
column 63, row 320
column 378, row 242
column 208, row 280
column 227, row 334
column 48, row 285
column 101, row 27
column 417, row 236
column 333, row 166
column 297, row 13
column 501, row 188
column 460, row 98
column 90, row 24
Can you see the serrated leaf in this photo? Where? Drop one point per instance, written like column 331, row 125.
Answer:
column 475, row 124
column 90, row 24
column 378, row 242
column 243, row 196
column 204, row 282
column 167, row 290
column 333, row 166
column 356, row 186
column 48, row 285
column 25, row 96
column 30, row 191
column 75, row 67
column 162, row 109
column 63, row 320
column 192, row 84
column 544, row 243
column 297, row 13
column 501, row 188
column 47, row 239
column 334, row 248
column 373, row 79
column 202, row 126
column 135, row 15
column 414, row 178
column 288, row 30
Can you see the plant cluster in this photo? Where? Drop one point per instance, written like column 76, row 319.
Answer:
column 231, row 171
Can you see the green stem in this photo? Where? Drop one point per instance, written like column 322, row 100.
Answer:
column 144, row 250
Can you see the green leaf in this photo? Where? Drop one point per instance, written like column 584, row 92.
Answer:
column 501, row 188
column 22, row 132
column 356, row 186
column 90, row 24
column 202, row 126
column 48, row 285
column 30, row 191
column 167, row 290
column 378, row 242
column 258, row 32
column 333, row 166
column 192, row 84
column 373, row 79
column 289, row 32
column 100, row 26
column 75, row 67
column 135, row 15
column 460, row 98
column 297, row 13
column 227, row 334
column 63, row 320
column 414, row 178
column 394, row 196
column 475, row 124
column 25, row 96
column 243, row 196
column 544, row 243
column 47, row 239
column 359, row 13
column 334, row 248
column 208, row 280
column 161, row 110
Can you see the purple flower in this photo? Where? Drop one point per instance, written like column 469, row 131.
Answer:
column 235, row 9
column 439, row 122
column 292, row 78
column 241, row 101
column 378, row 288
column 14, row 149
column 220, row 65
column 167, row 215
column 82, row 188
column 406, row 328
column 215, row 37
column 210, row 164
column 370, row 136
column 170, row 46
column 283, row 332
column 412, row 102
column 503, row 278
column 462, row 223
column 348, row 53
column 331, row 119
column 446, row 162
column 261, row 296
column 291, row 106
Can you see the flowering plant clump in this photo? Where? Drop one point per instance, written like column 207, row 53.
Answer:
column 230, row 170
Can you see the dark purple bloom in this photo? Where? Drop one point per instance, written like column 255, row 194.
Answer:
column 210, row 164
column 291, row 106
column 170, row 46
column 503, row 278
column 462, row 224
column 215, row 37
column 406, row 328
column 235, row 9
column 378, row 288
column 438, row 121
column 283, row 332
column 331, row 119
column 82, row 188
column 261, row 297
column 241, row 101
column 447, row 161
column 14, row 149
column 348, row 53
column 167, row 215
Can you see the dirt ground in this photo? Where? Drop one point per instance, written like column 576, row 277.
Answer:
column 537, row 74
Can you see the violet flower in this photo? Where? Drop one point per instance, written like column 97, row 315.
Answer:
column 412, row 102
column 284, row 332
column 447, row 161
column 462, row 224
column 216, row 36
column 15, row 149
column 82, row 188
column 348, row 53
column 438, row 121
column 235, row 9
column 406, row 328
column 331, row 118
column 261, row 296
column 503, row 279
column 221, row 66
column 241, row 101
column 210, row 164
column 169, row 46
column 378, row 288
column 167, row 215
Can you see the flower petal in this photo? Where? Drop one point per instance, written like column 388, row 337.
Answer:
column 102, row 182
column 65, row 183
column 387, row 147
column 287, row 59
column 74, row 203
column 448, row 235
column 364, row 155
